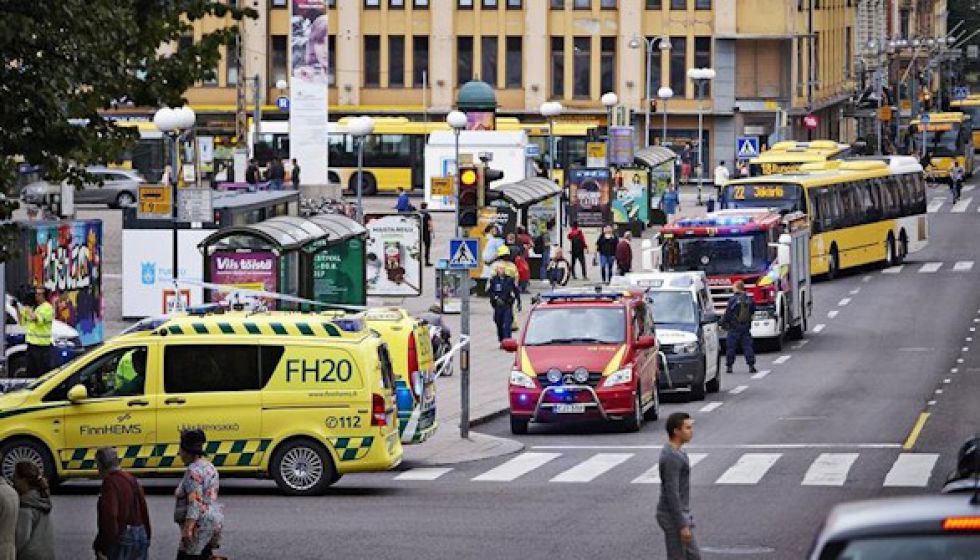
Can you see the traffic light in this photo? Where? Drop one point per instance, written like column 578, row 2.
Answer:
column 469, row 195
column 486, row 177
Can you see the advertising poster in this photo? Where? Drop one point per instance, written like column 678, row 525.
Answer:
column 621, row 145
column 491, row 218
column 477, row 120
column 66, row 258
column 310, row 76
column 338, row 273
column 542, row 217
column 589, row 197
column 252, row 270
column 630, row 201
column 147, row 261
column 394, row 254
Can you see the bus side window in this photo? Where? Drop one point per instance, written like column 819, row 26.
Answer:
column 835, row 208
column 816, row 213
column 919, row 187
column 872, row 200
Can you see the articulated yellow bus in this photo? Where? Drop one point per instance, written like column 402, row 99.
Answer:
column 861, row 211
column 788, row 156
column 970, row 106
column 948, row 138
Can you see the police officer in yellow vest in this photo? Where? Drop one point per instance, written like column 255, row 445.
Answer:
column 127, row 379
column 37, row 323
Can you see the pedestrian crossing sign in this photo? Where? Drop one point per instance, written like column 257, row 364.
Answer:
column 747, row 147
column 462, row 254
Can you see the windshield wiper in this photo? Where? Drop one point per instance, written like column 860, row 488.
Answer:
column 573, row 340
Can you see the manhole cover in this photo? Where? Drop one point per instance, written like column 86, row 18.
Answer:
column 743, row 550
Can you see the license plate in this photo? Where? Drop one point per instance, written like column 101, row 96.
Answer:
column 569, row 408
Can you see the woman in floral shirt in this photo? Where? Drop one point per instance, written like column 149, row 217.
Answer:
column 198, row 512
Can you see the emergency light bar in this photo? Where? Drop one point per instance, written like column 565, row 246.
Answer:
column 558, row 296
column 719, row 221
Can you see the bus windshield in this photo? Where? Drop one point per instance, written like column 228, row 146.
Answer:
column 781, row 196
column 736, row 254
column 941, row 139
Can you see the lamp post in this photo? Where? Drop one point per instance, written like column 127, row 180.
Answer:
column 609, row 101
column 550, row 110
column 700, row 77
column 174, row 123
column 636, row 42
column 665, row 93
column 457, row 120
column 360, row 128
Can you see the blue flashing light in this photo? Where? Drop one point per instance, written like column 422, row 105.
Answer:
column 204, row 309
column 522, row 397
column 582, row 296
column 715, row 221
column 349, row 325
column 559, row 391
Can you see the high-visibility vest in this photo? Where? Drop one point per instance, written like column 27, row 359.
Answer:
column 125, row 375
column 38, row 329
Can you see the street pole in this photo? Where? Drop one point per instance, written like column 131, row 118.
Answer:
column 646, row 122
column 174, row 139
column 551, row 177
column 464, row 357
column 456, row 181
column 663, row 139
column 880, row 92
column 360, row 178
column 700, row 86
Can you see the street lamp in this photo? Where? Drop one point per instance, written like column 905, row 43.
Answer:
column 609, row 100
column 665, row 46
column 174, row 123
column 550, row 110
column 360, row 127
column 700, row 77
column 457, row 120
column 665, row 93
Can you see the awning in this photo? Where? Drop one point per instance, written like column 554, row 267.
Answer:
column 527, row 191
column 286, row 233
column 654, row 156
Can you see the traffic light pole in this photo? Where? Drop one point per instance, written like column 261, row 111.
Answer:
column 464, row 324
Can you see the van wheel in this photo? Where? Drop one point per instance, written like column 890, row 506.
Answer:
column 698, row 386
column 17, row 450
column 834, row 269
column 714, row 385
column 518, row 425
column 303, row 467
column 633, row 422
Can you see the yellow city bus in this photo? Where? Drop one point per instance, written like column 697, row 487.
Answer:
column 861, row 211
column 788, row 156
column 948, row 138
column 970, row 106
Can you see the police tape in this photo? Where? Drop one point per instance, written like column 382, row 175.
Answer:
column 444, row 363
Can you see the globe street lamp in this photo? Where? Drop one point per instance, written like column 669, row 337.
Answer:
column 550, row 110
column 665, row 93
column 665, row 46
column 359, row 128
column 457, row 120
column 609, row 101
column 701, row 77
column 173, row 123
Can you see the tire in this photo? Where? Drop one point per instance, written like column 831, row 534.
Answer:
column 17, row 367
column 635, row 420
column 303, row 467
column 370, row 186
column 891, row 257
column 654, row 411
column 125, row 199
column 698, row 388
column 19, row 449
column 714, row 385
column 799, row 331
column 518, row 425
column 903, row 248
column 776, row 343
column 834, row 269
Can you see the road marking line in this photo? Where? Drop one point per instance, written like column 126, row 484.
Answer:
column 749, row 469
column 856, row 291
column 935, row 204
column 711, row 406
column 947, row 380
column 867, row 278
column 652, row 476
column 966, row 349
column 762, row 373
column 819, row 328
column 832, row 314
column 800, row 344
column 423, row 473
column 920, row 423
column 962, row 266
column 961, row 206
column 782, row 359
column 930, row 267
column 893, row 269
column 830, row 469
column 739, row 389
column 844, row 302
column 911, row 469
column 732, row 446
column 518, row 466
column 930, row 403
column 967, row 188
column 591, row 468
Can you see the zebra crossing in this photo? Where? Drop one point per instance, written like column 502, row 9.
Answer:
column 723, row 468
column 931, row 267
column 945, row 205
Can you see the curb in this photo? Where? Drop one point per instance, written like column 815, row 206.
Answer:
column 488, row 417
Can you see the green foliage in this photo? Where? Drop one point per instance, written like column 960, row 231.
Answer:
column 63, row 61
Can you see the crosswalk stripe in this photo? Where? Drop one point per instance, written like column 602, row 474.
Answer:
column 893, row 269
column 961, row 206
column 760, row 374
column 930, row 267
column 968, row 188
column 911, row 469
column 830, row 469
column 819, row 328
column 423, row 473
column 711, row 406
column 652, row 475
column 935, row 204
column 594, row 466
column 749, row 469
column 962, row 266
column 738, row 389
column 516, row 467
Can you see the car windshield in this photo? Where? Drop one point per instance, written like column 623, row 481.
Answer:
column 672, row 307
column 576, row 325
column 736, row 254
column 915, row 547
column 783, row 197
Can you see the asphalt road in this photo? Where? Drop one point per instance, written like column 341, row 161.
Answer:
column 833, row 419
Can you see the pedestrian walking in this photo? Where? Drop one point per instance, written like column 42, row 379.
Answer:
column 721, row 177
column 34, row 536
column 956, row 175
column 605, row 248
column 123, row 518
column 277, row 175
column 624, row 254
column 426, row 231
column 686, row 158
column 9, row 510
column 558, row 269
column 37, row 322
column 503, row 295
column 294, row 174
column 672, row 202
column 580, row 248
column 738, row 322
column 674, row 507
column 197, row 510
column 403, row 204
column 252, row 173
column 542, row 246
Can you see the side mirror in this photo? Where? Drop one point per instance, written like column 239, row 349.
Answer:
column 709, row 318
column 508, row 344
column 77, row 393
column 646, row 341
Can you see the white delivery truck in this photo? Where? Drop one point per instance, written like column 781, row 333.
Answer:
column 508, row 150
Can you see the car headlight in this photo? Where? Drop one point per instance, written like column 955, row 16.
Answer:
column 581, row 375
column 686, row 348
column 619, row 377
column 520, row 379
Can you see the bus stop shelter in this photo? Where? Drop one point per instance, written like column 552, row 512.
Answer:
column 536, row 203
column 320, row 258
column 659, row 163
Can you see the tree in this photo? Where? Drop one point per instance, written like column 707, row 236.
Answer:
column 64, row 61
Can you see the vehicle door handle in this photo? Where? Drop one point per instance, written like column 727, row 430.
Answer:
column 138, row 403
column 175, row 400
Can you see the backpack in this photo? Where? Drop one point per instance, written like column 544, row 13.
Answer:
column 743, row 311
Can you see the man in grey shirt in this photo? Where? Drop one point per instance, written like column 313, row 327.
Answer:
column 674, row 509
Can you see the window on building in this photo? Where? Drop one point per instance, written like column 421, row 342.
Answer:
column 420, row 58
column 607, row 65
column 231, row 65
column 816, row 61
column 372, row 61
column 331, row 3
column 702, row 4
column 655, row 5
column 464, row 4
column 801, row 78
column 396, row 61
column 656, row 73
column 279, row 3
column 678, row 65
column 557, row 4
column 582, row 67
column 372, row 4
column 488, row 60
column 678, row 4
column 464, row 59
column 557, row 67
column 903, row 23
column 490, row 4
column 278, row 62
column 702, row 58
column 515, row 4
column 421, row 4
column 582, row 4
column 607, row 4
column 848, row 50
column 396, row 4
column 513, row 63
column 332, row 60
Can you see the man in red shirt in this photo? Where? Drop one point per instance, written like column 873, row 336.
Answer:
column 579, row 248
column 624, row 254
column 124, row 522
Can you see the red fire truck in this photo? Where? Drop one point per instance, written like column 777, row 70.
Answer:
column 768, row 251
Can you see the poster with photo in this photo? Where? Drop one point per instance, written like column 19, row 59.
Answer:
column 250, row 270
column 394, row 254
column 630, row 200
column 589, row 197
column 311, row 73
